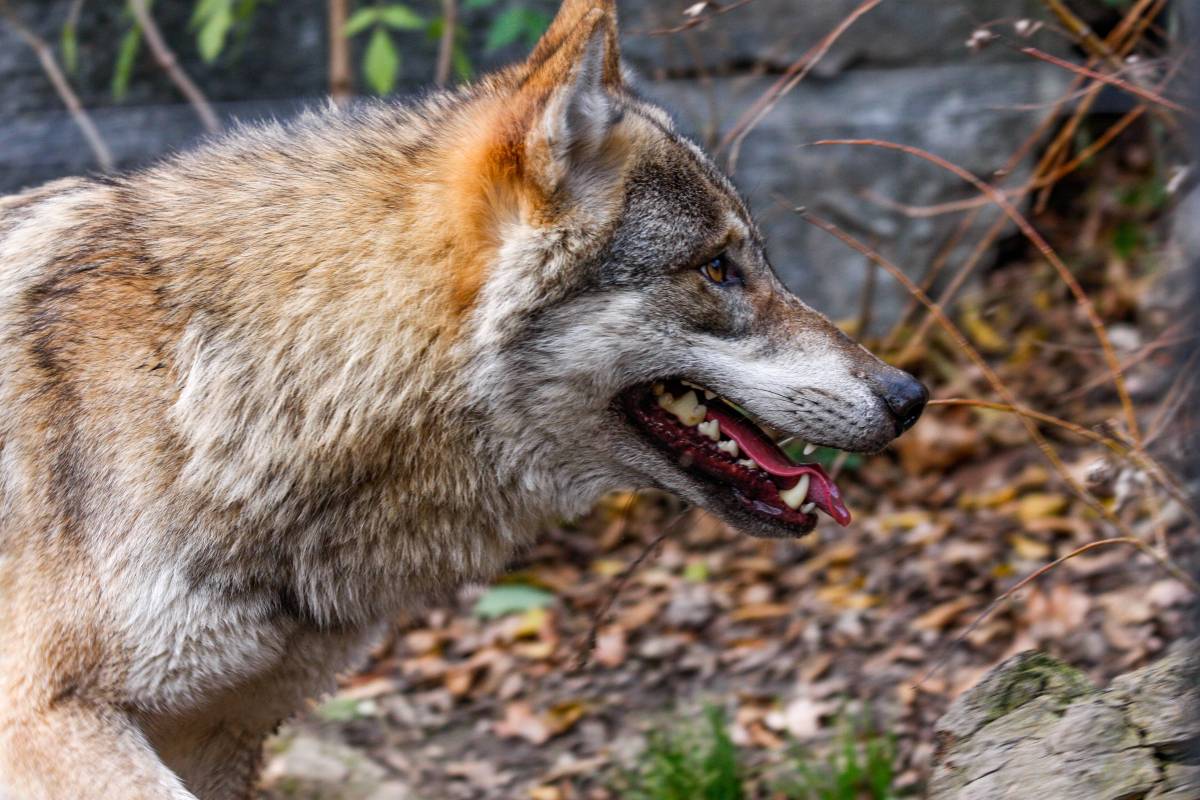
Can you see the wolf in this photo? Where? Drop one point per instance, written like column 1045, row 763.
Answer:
column 260, row 398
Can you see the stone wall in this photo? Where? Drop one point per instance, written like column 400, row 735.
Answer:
column 902, row 73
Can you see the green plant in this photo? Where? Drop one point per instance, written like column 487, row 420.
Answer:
column 681, row 764
column 512, row 25
column 861, row 766
column 212, row 21
column 381, row 59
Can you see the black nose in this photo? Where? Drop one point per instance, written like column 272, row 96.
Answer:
column 905, row 397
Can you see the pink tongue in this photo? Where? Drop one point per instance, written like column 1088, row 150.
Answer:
column 754, row 444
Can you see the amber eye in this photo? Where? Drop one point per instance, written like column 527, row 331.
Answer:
column 721, row 272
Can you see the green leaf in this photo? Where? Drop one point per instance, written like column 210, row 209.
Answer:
column 536, row 23
column 381, row 62
column 69, row 46
column 126, row 57
column 211, row 39
column 511, row 598
column 462, row 64
column 507, row 29
column 205, row 9
column 473, row 5
column 361, row 20
column 339, row 709
column 401, row 18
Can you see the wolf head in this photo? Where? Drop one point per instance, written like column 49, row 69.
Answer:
column 634, row 331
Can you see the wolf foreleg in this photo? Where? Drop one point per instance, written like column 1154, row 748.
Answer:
column 81, row 752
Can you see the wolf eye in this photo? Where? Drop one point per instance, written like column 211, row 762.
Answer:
column 721, row 272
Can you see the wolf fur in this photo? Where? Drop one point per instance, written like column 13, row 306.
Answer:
column 256, row 400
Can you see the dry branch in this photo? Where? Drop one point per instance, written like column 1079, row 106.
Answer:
column 796, row 73
column 445, row 56
column 1111, row 80
column 170, row 64
column 1042, row 246
column 341, row 76
column 69, row 99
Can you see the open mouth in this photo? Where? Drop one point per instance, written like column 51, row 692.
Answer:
column 715, row 442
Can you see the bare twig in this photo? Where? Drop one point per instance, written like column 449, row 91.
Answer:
column 69, row 99
column 1078, row 430
column 1042, row 246
column 341, row 76
column 589, row 645
column 1173, row 570
column 990, row 374
column 1080, row 29
column 1122, row 39
column 170, row 64
column 446, row 46
column 701, row 18
column 796, row 73
column 1111, row 80
column 920, row 212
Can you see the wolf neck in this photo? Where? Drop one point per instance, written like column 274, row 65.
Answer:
column 325, row 356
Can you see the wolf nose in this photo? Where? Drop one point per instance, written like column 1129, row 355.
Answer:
column 905, row 397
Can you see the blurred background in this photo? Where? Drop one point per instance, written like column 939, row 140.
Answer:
column 1045, row 217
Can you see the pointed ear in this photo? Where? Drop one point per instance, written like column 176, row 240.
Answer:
column 562, row 31
column 567, row 111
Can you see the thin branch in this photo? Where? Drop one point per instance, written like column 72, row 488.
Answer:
column 922, row 212
column 1084, row 302
column 1173, row 570
column 1111, row 80
column 796, row 73
column 65, row 93
column 1078, row 430
column 341, row 75
column 589, row 646
column 990, row 374
column 1093, row 43
column 1122, row 39
column 701, row 18
column 170, row 64
column 445, row 57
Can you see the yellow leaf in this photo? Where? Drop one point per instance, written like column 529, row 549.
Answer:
column 608, row 567
column 756, row 611
column 992, row 499
column 1029, row 549
column 530, row 623
column 1036, row 506
column 985, row 336
column 564, row 715
column 903, row 520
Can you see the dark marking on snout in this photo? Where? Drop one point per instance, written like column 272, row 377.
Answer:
column 904, row 395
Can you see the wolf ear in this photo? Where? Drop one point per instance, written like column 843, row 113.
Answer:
column 563, row 31
column 569, row 108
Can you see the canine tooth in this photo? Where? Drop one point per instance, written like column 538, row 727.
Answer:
column 709, row 395
column 748, row 463
column 809, row 449
column 807, row 508
column 795, row 496
column 689, row 410
column 728, row 446
column 667, row 402
column 711, row 429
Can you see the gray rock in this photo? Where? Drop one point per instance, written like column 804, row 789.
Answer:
column 1034, row 727
column 300, row 766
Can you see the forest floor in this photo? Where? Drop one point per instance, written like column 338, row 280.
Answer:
column 467, row 701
